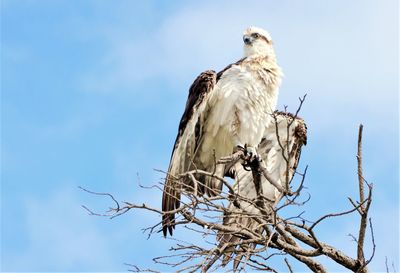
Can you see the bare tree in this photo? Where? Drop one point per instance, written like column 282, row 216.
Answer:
column 247, row 231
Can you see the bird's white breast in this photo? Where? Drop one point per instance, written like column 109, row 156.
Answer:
column 240, row 106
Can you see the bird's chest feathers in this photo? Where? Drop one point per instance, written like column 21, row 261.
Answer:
column 244, row 95
column 239, row 109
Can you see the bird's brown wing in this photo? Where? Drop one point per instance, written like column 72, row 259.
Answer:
column 187, row 140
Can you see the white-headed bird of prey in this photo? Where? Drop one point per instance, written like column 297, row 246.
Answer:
column 224, row 110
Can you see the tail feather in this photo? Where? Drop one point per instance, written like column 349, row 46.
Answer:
column 239, row 222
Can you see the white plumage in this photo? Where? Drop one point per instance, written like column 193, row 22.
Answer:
column 241, row 105
column 224, row 110
column 280, row 158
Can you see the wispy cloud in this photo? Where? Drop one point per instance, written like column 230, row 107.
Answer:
column 343, row 54
column 346, row 66
column 211, row 33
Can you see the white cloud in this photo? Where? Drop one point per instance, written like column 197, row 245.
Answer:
column 344, row 55
column 346, row 66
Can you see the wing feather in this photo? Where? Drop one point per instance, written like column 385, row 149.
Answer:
column 188, row 140
column 189, row 133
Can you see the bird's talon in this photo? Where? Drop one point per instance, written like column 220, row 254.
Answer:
column 247, row 168
column 250, row 157
column 239, row 148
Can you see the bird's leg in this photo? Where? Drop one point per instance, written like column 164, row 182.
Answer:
column 250, row 155
column 249, row 149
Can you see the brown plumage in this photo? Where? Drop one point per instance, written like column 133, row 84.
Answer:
column 203, row 84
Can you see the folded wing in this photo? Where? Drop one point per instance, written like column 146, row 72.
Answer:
column 187, row 140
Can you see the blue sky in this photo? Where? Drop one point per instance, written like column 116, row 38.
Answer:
column 92, row 92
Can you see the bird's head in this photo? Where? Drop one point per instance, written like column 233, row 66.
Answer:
column 257, row 41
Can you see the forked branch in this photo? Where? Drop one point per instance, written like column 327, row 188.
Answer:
column 253, row 229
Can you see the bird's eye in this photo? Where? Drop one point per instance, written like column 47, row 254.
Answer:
column 255, row 35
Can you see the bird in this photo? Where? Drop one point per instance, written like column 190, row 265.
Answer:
column 279, row 152
column 224, row 111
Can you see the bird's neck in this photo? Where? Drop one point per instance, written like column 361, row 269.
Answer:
column 264, row 57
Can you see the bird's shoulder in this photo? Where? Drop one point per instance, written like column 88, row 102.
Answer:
column 230, row 67
column 198, row 91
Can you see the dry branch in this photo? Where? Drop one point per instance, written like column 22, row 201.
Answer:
column 269, row 235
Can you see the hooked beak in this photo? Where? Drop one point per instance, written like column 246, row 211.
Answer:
column 247, row 39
